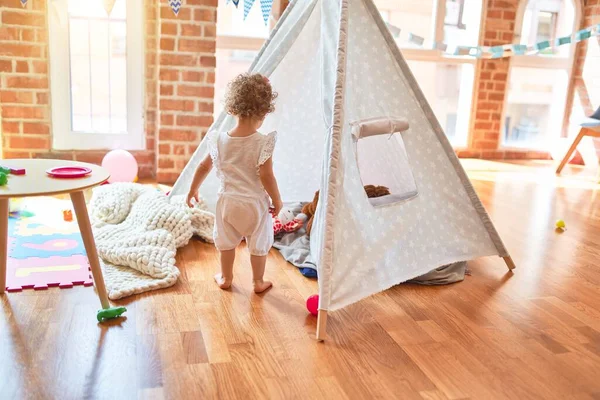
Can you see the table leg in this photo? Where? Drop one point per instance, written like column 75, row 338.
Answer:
column 3, row 242
column 83, row 220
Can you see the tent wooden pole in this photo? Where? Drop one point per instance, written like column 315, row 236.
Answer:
column 322, row 325
column 509, row 263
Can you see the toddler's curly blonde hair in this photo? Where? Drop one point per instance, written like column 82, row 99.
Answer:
column 250, row 96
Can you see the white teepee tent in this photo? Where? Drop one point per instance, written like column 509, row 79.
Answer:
column 342, row 81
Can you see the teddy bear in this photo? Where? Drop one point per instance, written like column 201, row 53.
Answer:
column 287, row 222
column 309, row 209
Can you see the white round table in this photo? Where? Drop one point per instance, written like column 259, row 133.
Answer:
column 36, row 182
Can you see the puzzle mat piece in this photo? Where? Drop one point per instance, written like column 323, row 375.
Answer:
column 48, row 218
column 11, row 243
column 32, row 226
column 46, row 246
column 42, row 273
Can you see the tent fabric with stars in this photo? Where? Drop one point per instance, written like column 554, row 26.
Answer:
column 336, row 67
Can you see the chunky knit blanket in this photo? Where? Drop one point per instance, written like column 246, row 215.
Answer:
column 138, row 230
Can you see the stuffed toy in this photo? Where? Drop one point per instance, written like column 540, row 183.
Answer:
column 309, row 209
column 287, row 222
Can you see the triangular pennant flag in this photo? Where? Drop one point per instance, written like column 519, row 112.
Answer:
column 394, row 30
column 451, row 49
column 519, row 49
column 247, row 6
column 175, row 5
column 441, row 46
column 416, row 39
column 461, row 51
column 583, row 34
column 542, row 45
column 266, row 6
column 563, row 40
column 476, row 52
column 108, row 6
column 23, row 3
column 236, row 2
column 497, row 49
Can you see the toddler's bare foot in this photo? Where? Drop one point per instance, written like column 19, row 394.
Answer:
column 222, row 282
column 261, row 286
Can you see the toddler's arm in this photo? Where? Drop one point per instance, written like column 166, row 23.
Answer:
column 267, row 177
column 201, row 173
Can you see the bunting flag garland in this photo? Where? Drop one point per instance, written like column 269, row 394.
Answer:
column 175, row 5
column 500, row 51
column 23, row 3
column 247, row 6
column 266, row 6
column 108, row 6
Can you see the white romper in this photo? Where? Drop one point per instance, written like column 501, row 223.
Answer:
column 243, row 204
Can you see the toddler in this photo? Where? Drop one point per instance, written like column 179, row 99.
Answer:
column 242, row 158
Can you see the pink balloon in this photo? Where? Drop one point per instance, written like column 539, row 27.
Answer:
column 122, row 166
column 312, row 304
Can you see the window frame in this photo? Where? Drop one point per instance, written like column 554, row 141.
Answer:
column 439, row 56
column 63, row 136
column 231, row 42
column 540, row 61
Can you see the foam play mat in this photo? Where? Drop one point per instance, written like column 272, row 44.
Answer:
column 44, row 250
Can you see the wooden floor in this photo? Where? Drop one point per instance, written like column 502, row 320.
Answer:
column 531, row 334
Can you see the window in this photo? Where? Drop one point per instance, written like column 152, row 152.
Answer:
column 462, row 21
column 535, row 107
column 547, row 20
column 97, row 64
column 410, row 16
column 238, row 43
column 448, row 87
column 454, row 14
column 376, row 151
column 446, row 81
column 537, row 85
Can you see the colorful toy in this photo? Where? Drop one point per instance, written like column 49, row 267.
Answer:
column 312, row 304
column 42, row 271
column 286, row 222
column 560, row 224
column 18, row 171
column 14, row 171
column 68, row 215
column 122, row 166
column 68, row 172
column 110, row 313
column 3, row 179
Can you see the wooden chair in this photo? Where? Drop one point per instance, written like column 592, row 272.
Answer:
column 590, row 127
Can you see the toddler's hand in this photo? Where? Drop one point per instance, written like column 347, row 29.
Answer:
column 192, row 195
column 277, row 206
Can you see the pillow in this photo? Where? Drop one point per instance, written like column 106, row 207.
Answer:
column 378, row 126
